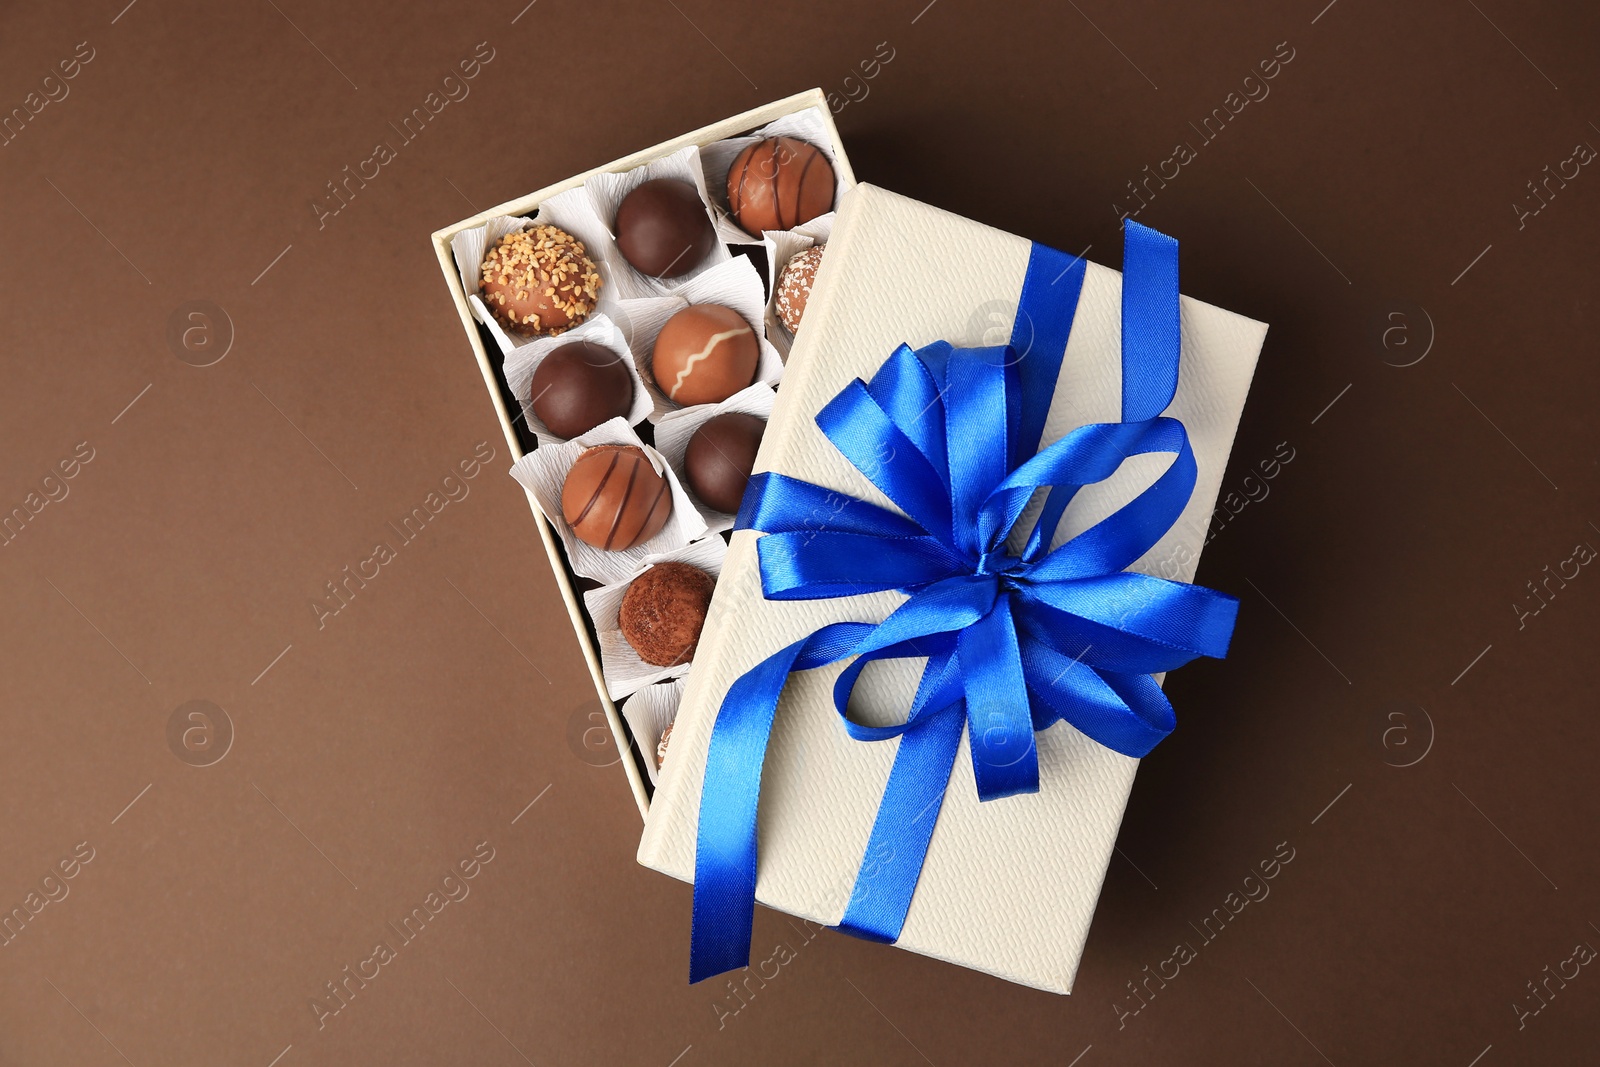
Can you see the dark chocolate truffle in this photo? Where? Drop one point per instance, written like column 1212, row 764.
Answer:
column 539, row 281
column 720, row 457
column 704, row 354
column 613, row 499
column 579, row 386
column 794, row 286
column 779, row 183
column 663, row 229
column 663, row 610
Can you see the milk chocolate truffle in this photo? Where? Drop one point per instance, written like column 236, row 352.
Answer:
column 705, row 353
column 539, row 281
column 579, row 386
column 613, row 499
column 779, row 183
column 794, row 286
column 720, row 457
column 663, row 229
column 663, row 610
column 661, row 746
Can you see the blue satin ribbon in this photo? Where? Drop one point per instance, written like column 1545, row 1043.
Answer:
column 1014, row 643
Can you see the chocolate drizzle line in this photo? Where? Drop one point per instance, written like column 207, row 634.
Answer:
column 777, row 200
column 622, row 505
column 800, row 186
column 657, row 501
column 744, row 175
column 593, row 499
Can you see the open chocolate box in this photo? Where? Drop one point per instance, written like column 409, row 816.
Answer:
column 630, row 309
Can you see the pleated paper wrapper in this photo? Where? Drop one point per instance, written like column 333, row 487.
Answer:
column 649, row 712
column 543, row 472
column 1009, row 886
column 624, row 671
column 675, row 430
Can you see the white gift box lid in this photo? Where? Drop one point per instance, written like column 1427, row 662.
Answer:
column 1009, row 886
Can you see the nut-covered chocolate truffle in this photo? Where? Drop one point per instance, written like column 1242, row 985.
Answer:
column 661, row 746
column 663, row 229
column 613, row 498
column 794, row 286
column 579, row 386
column 539, row 281
column 705, row 353
column 663, row 610
column 720, row 457
column 779, row 183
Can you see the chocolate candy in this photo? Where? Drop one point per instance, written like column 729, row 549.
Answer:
column 539, row 281
column 579, row 386
column 778, row 183
column 663, row 230
column 720, row 457
column 663, row 610
column 705, row 353
column 613, row 499
column 794, row 286
column 661, row 746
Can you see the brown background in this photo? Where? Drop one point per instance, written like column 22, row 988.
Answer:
column 421, row 720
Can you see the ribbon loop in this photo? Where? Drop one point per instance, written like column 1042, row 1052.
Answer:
column 1013, row 643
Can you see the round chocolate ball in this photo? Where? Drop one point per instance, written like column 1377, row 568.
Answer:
column 579, row 386
column 539, row 281
column 779, row 183
column 663, row 610
column 794, row 286
column 704, row 354
column 613, row 498
column 663, row 230
column 720, row 457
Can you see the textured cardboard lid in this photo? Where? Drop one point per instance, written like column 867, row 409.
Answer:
column 1009, row 886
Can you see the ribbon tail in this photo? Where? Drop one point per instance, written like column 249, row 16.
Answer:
column 887, row 878
column 725, row 849
column 1005, row 761
column 1151, row 336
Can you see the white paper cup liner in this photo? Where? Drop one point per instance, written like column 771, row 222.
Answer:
column 717, row 158
column 735, row 284
column 624, row 671
column 571, row 211
column 543, row 471
column 648, row 713
column 605, row 195
column 676, row 428
column 597, row 329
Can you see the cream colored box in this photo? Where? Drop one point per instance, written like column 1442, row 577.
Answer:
column 1009, row 886
column 490, row 359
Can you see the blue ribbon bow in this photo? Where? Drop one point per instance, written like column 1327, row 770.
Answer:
column 1013, row 643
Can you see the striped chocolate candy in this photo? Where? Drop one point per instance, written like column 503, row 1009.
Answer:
column 613, row 498
column 779, row 183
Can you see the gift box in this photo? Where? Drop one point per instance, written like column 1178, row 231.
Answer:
column 1008, row 885
column 739, row 273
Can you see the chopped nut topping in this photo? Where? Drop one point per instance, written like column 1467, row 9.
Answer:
column 549, row 276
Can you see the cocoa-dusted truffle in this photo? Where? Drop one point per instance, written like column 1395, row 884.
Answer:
column 661, row 746
column 720, row 457
column 663, row 610
column 539, row 281
column 779, row 183
column 704, row 354
column 663, row 229
column 794, row 286
column 579, row 386
column 613, row 498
